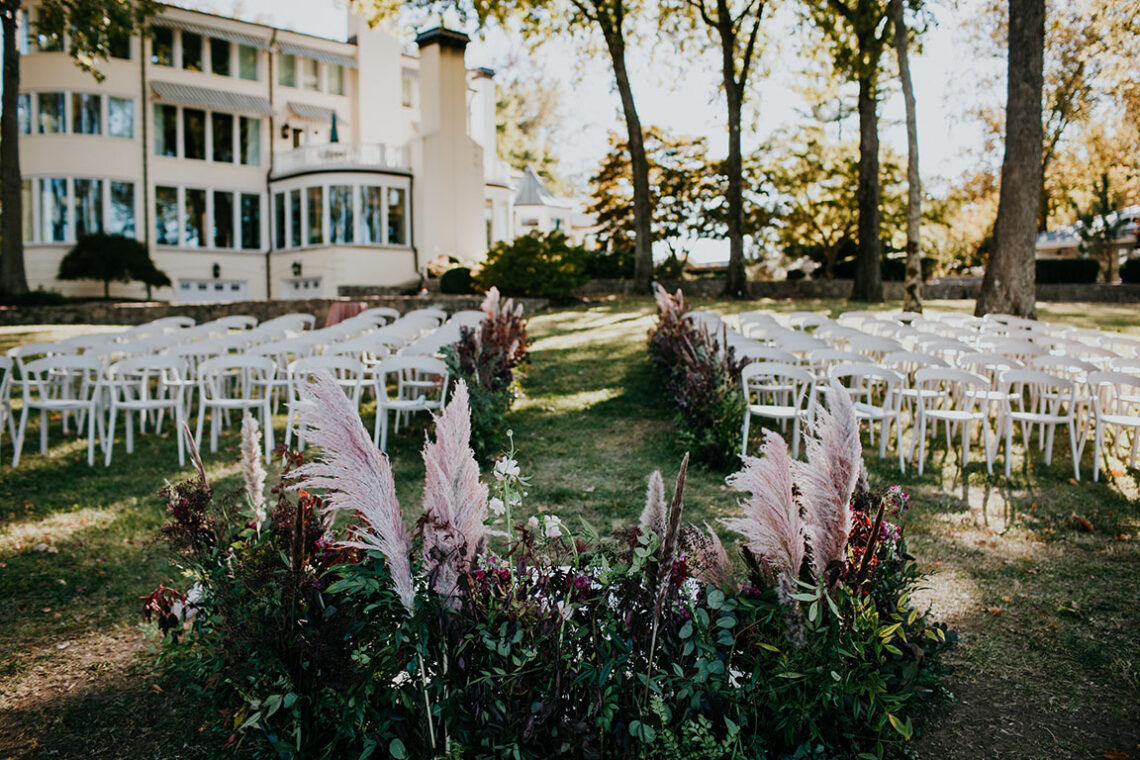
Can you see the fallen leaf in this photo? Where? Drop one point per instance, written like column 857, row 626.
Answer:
column 1113, row 754
column 1081, row 523
column 993, row 610
column 156, row 688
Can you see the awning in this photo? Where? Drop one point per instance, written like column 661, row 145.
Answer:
column 202, row 97
column 209, row 31
column 319, row 55
column 314, row 113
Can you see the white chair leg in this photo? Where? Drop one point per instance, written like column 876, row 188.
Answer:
column 267, row 429
column 1098, row 441
column 177, row 412
column 1073, row 450
column 921, row 438
column 744, row 444
column 201, row 422
column 44, row 419
column 110, row 437
column 18, row 444
column 214, row 425
column 91, row 437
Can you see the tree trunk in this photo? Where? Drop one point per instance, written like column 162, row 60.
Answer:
column 868, row 259
column 1009, row 285
column 13, row 281
column 737, row 284
column 912, row 298
column 642, row 208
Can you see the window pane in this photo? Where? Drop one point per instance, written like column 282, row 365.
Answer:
column 88, row 206
column 52, row 117
column 316, row 215
column 408, row 88
column 85, row 114
column 53, row 205
column 24, row 112
column 396, row 225
column 279, row 219
column 223, row 139
column 340, row 214
column 193, row 133
column 220, row 56
column 335, row 73
column 223, row 220
column 119, row 46
column 165, row 131
column 121, row 218
column 370, row 215
column 247, row 62
column 120, row 117
column 250, row 136
column 308, row 68
column 166, row 215
column 194, row 231
column 286, row 70
column 22, row 33
column 162, row 46
column 191, row 51
column 295, row 218
column 26, row 215
column 251, row 221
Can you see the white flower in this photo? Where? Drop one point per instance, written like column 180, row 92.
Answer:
column 506, row 468
column 532, row 523
column 497, row 507
column 551, row 526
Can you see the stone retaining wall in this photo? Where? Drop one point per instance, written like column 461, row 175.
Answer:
column 111, row 313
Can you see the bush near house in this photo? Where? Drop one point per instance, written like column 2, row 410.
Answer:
column 457, row 281
column 1130, row 271
column 1062, row 271
column 540, row 266
column 108, row 258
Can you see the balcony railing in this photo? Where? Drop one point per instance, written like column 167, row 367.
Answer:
column 339, row 157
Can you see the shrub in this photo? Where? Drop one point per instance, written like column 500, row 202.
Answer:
column 1061, row 271
column 457, row 281
column 111, row 257
column 541, row 266
column 1130, row 271
column 795, row 274
column 672, row 268
column 610, row 266
column 315, row 642
column 702, row 381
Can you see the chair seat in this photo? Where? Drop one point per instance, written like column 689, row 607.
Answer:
column 775, row 412
column 954, row 415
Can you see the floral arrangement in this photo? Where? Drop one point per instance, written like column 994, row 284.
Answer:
column 331, row 628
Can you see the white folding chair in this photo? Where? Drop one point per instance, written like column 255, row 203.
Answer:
column 954, row 398
column 386, row 312
column 348, row 373
column 470, row 318
column 6, row 416
column 420, row 384
column 778, row 392
column 143, row 386
column 876, row 396
column 1034, row 398
column 64, row 384
column 1116, row 405
column 237, row 383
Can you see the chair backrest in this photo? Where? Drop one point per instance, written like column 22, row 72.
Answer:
column 1122, row 345
column 6, row 366
column 224, row 325
column 874, row 346
column 907, row 363
column 70, row 378
column 824, row 359
column 772, row 382
column 295, row 322
column 387, row 312
column 168, row 324
column 413, row 367
column 869, row 383
column 807, row 321
column 365, row 348
column 29, row 352
column 989, row 366
column 762, row 353
column 1128, row 365
column 1115, row 394
column 1067, row 367
column 949, row 388
column 148, row 377
column 759, row 325
column 344, row 368
column 429, row 314
column 236, row 377
column 1038, row 392
column 469, row 318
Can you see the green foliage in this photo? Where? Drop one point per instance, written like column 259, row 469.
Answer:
column 541, row 266
column 111, row 257
column 1130, row 271
column 610, row 265
column 456, row 281
column 1051, row 271
column 94, row 27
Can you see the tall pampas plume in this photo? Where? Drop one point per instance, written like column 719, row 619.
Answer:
column 455, row 501
column 772, row 526
column 358, row 477
column 195, row 456
column 251, row 470
column 827, row 480
column 653, row 515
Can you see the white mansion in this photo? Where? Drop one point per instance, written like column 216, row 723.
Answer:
column 258, row 162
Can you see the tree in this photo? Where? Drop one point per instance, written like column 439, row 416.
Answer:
column 93, row 27
column 1009, row 284
column 527, row 120
column 1099, row 228
column 108, row 258
column 912, row 297
column 736, row 26
column 858, row 32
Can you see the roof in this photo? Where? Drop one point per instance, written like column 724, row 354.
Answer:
column 212, row 31
column 289, row 48
column 204, row 97
column 533, row 193
column 310, row 112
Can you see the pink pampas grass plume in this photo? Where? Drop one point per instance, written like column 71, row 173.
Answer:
column 251, row 470
column 827, row 480
column 653, row 515
column 772, row 526
column 455, row 501
column 358, row 477
column 192, row 450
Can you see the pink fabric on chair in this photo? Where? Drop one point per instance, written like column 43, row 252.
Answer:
column 342, row 310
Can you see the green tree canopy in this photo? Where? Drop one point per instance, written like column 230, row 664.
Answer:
column 108, row 258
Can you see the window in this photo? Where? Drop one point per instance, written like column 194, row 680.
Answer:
column 88, row 206
column 316, row 215
column 247, row 62
column 191, row 51
column 121, row 217
column 287, row 70
column 220, row 57
column 279, row 219
column 294, row 218
column 223, row 220
column 308, row 68
column 165, row 131
column 166, row 215
column 162, row 46
column 24, row 112
column 340, row 214
column 22, row 33
column 194, row 227
column 249, row 136
column 370, row 215
column 408, row 88
column 85, row 110
column 489, row 221
column 53, row 209
column 26, row 211
column 223, row 137
column 396, row 234
column 119, row 45
column 120, row 117
column 193, row 133
column 251, row 221
column 334, row 73
column 52, row 114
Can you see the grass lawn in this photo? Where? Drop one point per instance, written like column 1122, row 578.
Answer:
column 1040, row 575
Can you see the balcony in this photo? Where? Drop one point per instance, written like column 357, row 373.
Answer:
column 332, row 157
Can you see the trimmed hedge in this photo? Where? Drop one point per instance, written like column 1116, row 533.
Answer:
column 1130, row 271
column 1065, row 271
column 457, row 281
